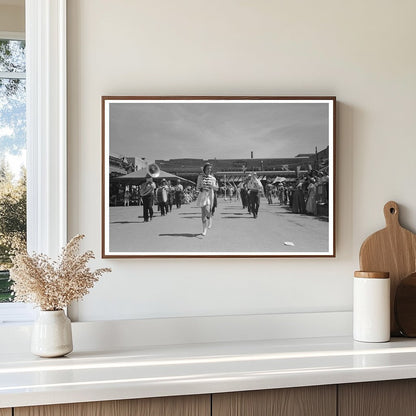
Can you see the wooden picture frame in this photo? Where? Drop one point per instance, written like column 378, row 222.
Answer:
column 278, row 152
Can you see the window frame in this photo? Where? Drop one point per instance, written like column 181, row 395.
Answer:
column 46, row 121
column 12, row 35
column 46, row 125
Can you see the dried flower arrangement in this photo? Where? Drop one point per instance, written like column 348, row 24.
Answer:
column 52, row 285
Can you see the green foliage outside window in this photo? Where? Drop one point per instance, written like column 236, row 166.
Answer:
column 12, row 224
column 12, row 146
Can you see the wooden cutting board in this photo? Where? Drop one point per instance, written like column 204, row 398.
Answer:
column 405, row 306
column 392, row 250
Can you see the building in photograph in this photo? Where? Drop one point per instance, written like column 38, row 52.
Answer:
column 122, row 165
column 291, row 167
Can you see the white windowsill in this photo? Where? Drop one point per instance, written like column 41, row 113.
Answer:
column 16, row 313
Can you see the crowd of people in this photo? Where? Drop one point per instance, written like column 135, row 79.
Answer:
column 165, row 196
column 177, row 193
column 301, row 196
column 307, row 195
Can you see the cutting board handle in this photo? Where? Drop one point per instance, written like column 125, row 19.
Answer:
column 391, row 214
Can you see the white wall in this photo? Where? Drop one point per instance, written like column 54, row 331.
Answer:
column 361, row 51
column 12, row 17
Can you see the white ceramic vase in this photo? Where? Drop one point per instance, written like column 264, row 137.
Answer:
column 52, row 334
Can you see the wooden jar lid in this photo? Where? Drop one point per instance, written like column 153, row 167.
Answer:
column 372, row 275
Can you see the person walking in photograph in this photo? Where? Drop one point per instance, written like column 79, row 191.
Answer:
column 255, row 189
column 162, row 197
column 171, row 196
column 269, row 191
column 127, row 197
column 147, row 190
column 206, row 185
column 178, row 194
column 244, row 194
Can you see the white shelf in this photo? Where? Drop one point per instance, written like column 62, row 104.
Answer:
column 168, row 370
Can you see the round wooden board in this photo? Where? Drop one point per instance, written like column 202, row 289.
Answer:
column 392, row 250
column 405, row 306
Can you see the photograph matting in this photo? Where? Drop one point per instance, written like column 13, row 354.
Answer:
column 218, row 176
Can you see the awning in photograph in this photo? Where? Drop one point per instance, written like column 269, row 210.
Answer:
column 279, row 179
column 139, row 176
column 116, row 169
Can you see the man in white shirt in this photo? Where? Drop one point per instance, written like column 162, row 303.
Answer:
column 255, row 188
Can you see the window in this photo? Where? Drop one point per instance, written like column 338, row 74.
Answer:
column 46, row 135
column 12, row 155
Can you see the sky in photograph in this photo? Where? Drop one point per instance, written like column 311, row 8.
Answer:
column 217, row 130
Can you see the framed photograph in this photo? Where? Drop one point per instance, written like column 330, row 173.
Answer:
column 218, row 176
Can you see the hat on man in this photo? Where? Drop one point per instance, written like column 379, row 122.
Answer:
column 205, row 166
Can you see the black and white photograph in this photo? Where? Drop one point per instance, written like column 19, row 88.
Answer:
column 218, row 176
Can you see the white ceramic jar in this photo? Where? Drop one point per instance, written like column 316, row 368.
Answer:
column 371, row 308
column 52, row 334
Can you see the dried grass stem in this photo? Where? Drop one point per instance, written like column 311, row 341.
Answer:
column 53, row 285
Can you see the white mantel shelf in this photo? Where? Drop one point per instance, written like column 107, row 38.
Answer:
column 148, row 371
